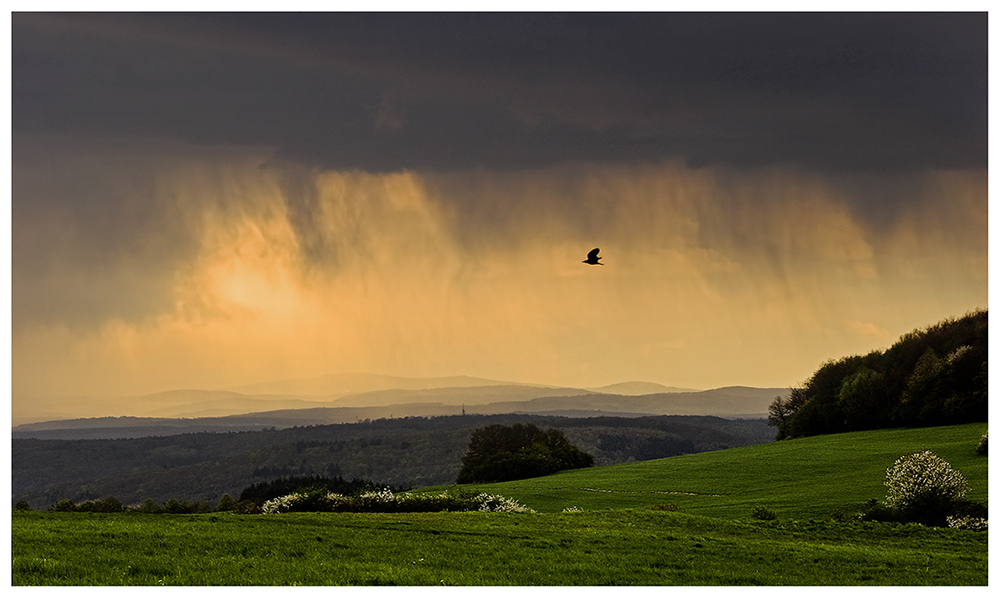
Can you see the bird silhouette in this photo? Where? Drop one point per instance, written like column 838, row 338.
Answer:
column 592, row 258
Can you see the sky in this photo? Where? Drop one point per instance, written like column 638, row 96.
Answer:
column 214, row 200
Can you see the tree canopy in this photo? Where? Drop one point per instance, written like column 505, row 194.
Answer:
column 931, row 376
column 499, row 453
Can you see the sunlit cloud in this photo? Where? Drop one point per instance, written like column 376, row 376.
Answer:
column 712, row 277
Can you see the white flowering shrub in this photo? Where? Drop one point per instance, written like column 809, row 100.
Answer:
column 384, row 501
column 921, row 475
column 923, row 487
column 499, row 504
column 302, row 501
column 976, row 524
column 282, row 504
column 376, row 501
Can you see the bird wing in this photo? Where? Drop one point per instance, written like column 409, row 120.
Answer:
column 593, row 253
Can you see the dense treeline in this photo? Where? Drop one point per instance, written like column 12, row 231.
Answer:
column 931, row 376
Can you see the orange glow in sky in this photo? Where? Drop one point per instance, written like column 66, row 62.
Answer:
column 712, row 277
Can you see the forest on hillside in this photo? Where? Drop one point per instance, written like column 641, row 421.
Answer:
column 930, row 377
column 402, row 453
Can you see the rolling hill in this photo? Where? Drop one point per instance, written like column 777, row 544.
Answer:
column 337, row 390
column 638, row 388
column 807, row 478
column 337, row 385
column 264, row 396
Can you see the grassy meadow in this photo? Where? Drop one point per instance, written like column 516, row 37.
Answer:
column 620, row 547
column 617, row 537
column 805, row 478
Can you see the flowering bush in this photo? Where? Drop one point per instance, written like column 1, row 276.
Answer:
column 915, row 477
column 384, row 501
column 304, row 500
column 282, row 504
column 981, row 448
column 374, row 501
column 499, row 504
column 977, row 524
column 923, row 487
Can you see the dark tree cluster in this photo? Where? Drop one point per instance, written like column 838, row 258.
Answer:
column 111, row 504
column 931, row 376
column 498, row 453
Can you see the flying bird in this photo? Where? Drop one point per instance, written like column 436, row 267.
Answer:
column 592, row 258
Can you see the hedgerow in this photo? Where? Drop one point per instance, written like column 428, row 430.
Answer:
column 385, row 501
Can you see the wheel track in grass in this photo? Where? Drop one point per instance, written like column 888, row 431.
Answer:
column 630, row 492
column 671, row 492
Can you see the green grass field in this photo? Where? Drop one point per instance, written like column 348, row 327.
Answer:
column 799, row 479
column 622, row 547
column 616, row 539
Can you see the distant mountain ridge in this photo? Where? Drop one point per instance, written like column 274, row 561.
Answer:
column 360, row 382
column 729, row 402
column 638, row 388
column 459, row 395
column 335, row 390
column 261, row 396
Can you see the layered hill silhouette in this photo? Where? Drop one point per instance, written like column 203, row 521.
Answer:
column 188, row 411
column 338, row 385
column 318, row 391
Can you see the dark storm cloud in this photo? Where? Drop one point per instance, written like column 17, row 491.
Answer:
column 430, row 91
column 92, row 235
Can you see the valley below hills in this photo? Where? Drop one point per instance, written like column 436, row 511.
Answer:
column 406, row 452
column 406, row 432
column 195, row 445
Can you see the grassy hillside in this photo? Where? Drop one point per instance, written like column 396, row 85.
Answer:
column 799, row 479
